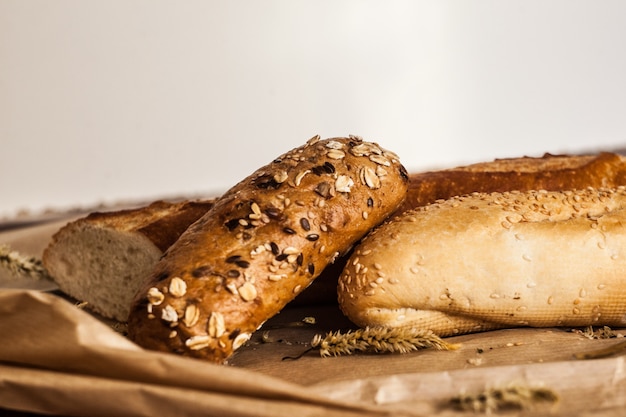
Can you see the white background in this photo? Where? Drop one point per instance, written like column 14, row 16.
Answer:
column 110, row 100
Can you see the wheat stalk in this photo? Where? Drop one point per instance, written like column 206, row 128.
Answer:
column 378, row 340
column 512, row 396
column 22, row 265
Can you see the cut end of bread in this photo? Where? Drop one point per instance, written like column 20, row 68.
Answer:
column 86, row 252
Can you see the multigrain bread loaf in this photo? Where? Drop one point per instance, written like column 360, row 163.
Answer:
column 262, row 244
column 102, row 259
column 89, row 258
column 550, row 172
column 493, row 260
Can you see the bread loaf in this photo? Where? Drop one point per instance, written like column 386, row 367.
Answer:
column 102, row 259
column 262, row 244
column 550, row 172
column 89, row 257
column 494, row 260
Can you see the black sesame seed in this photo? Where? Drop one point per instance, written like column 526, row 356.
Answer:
column 323, row 189
column 242, row 264
column 300, row 259
column 233, row 273
column 201, row 271
column 233, row 259
column 370, row 202
column 289, row 231
column 274, row 247
column 311, row 268
column 329, row 168
column 304, row 222
column 318, row 170
column 281, row 257
column 234, row 334
column 232, row 224
column 403, row 173
column 267, row 182
column 273, row 213
column 312, row 237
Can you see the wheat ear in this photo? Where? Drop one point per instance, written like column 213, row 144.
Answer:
column 512, row 396
column 22, row 265
column 378, row 340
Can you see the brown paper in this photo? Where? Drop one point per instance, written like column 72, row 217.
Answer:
column 56, row 358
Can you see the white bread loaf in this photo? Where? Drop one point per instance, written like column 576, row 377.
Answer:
column 102, row 259
column 487, row 261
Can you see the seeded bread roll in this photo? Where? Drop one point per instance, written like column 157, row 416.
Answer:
column 488, row 261
column 103, row 258
column 262, row 244
column 550, row 172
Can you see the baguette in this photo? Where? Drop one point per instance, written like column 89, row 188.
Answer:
column 550, row 172
column 102, row 259
column 494, row 260
column 88, row 258
column 262, row 244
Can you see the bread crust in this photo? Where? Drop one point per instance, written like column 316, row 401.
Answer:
column 549, row 172
column 150, row 230
column 494, row 260
column 103, row 258
column 263, row 243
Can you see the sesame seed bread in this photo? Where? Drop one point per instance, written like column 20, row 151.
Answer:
column 102, row 259
column 494, row 260
column 550, row 172
column 89, row 257
column 263, row 243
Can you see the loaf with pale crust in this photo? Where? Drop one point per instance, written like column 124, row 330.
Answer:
column 493, row 260
column 103, row 259
column 262, row 244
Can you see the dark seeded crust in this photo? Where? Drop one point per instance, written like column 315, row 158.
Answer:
column 550, row 173
column 262, row 244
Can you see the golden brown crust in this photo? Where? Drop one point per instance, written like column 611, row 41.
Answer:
column 550, row 172
column 263, row 243
column 162, row 222
column 485, row 261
